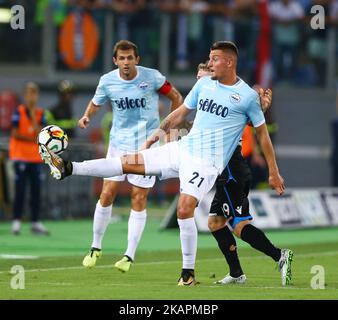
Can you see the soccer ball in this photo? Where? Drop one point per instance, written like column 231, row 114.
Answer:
column 54, row 138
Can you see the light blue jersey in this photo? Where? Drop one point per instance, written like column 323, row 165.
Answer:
column 134, row 104
column 222, row 113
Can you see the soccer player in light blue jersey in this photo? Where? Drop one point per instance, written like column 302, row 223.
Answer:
column 224, row 104
column 230, row 209
column 133, row 92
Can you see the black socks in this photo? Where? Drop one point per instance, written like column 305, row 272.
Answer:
column 258, row 240
column 227, row 244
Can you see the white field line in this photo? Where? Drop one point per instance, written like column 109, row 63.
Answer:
column 297, row 256
column 17, row 256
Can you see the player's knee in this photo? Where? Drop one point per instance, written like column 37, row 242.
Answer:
column 237, row 232
column 215, row 224
column 185, row 211
column 139, row 200
column 106, row 198
column 239, row 227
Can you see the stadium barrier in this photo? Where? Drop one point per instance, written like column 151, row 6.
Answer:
column 297, row 208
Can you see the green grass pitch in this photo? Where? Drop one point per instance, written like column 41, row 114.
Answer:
column 54, row 270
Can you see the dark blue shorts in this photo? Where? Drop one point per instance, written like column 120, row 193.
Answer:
column 232, row 189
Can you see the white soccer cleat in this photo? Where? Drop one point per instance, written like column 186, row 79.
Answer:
column 39, row 228
column 16, row 227
column 284, row 266
column 228, row 279
column 59, row 168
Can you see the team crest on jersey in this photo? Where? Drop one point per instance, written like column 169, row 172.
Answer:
column 143, row 85
column 235, row 98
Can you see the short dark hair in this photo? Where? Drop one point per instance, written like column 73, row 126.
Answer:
column 125, row 45
column 203, row 66
column 225, row 45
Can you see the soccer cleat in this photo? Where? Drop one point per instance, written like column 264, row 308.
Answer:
column 89, row 260
column 59, row 168
column 39, row 228
column 124, row 264
column 229, row 279
column 187, row 279
column 284, row 266
column 16, row 227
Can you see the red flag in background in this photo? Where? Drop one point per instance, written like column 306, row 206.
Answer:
column 264, row 67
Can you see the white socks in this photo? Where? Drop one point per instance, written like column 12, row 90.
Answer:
column 101, row 220
column 104, row 168
column 136, row 223
column 188, row 236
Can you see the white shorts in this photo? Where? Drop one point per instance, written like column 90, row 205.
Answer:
column 134, row 179
column 196, row 176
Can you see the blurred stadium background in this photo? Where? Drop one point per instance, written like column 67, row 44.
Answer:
column 73, row 40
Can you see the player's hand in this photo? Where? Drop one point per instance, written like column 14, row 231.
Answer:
column 149, row 143
column 188, row 125
column 265, row 97
column 83, row 123
column 276, row 182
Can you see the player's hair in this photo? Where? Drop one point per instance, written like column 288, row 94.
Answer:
column 225, row 45
column 203, row 66
column 125, row 45
column 31, row 85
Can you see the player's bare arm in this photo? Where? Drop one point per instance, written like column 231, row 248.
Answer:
column 172, row 121
column 276, row 181
column 91, row 110
column 175, row 98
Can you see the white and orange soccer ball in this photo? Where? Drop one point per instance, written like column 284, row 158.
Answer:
column 54, row 138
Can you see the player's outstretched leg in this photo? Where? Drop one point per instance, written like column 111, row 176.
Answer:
column 104, row 168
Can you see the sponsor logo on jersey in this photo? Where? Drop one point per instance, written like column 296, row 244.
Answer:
column 143, row 85
column 235, row 98
column 214, row 108
column 127, row 103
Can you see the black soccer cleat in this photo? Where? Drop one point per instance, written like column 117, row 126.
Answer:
column 187, row 278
